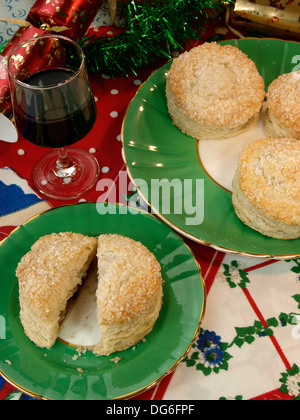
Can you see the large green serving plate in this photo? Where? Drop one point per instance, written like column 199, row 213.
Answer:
column 55, row 374
column 154, row 149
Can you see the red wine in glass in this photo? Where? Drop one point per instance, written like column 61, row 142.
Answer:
column 58, row 126
column 54, row 108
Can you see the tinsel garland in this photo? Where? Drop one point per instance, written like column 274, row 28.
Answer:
column 151, row 30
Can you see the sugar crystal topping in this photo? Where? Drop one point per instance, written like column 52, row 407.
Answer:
column 130, row 277
column 270, row 178
column 284, row 100
column 43, row 272
column 217, row 85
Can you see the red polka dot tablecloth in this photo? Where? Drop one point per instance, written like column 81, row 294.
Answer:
column 248, row 347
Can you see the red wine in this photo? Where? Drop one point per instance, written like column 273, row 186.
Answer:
column 52, row 113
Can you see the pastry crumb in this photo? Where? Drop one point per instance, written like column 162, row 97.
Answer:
column 116, row 359
column 80, row 351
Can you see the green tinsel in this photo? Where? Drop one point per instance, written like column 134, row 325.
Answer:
column 151, row 30
column 3, row 45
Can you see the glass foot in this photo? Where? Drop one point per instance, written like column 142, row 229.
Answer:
column 66, row 179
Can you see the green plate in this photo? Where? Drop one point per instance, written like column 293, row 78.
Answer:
column 156, row 151
column 53, row 374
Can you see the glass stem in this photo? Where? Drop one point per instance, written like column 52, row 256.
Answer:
column 65, row 167
column 63, row 158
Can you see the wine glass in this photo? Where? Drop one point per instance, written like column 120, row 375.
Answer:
column 54, row 107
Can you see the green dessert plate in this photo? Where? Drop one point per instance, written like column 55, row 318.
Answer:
column 59, row 374
column 181, row 177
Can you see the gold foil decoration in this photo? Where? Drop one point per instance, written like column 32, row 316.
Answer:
column 113, row 4
column 55, row 29
column 17, row 22
column 269, row 17
column 44, row 26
